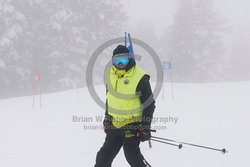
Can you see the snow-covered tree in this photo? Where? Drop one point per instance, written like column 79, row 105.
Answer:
column 57, row 37
column 239, row 60
column 13, row 70
column 193, row 42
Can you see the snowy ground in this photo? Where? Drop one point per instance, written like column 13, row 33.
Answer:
column 215, row 114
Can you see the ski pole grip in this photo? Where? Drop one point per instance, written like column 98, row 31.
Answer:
column 152, row 130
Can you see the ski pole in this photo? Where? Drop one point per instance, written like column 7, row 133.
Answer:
column 149, row 143
column 165, row 139
column 159, row 141
column 196, row 145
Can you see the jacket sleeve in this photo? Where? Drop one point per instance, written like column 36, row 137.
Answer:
column 106, row 104
column 147, row 100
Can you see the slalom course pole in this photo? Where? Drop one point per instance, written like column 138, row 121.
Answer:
column 126, row 39
column 128, row 44
column 130, row 47
column 37, row 90
column 195, row 145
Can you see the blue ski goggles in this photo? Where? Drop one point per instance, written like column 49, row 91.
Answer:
column 120, row 59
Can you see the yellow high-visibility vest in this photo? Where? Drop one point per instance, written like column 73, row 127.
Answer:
column 124, row 103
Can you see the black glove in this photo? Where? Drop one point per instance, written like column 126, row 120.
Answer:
column 144, row 134
column 107, row 123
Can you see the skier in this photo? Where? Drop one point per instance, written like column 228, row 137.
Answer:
column 129, row 110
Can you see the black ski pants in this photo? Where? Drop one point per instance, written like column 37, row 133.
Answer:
column 115, row 139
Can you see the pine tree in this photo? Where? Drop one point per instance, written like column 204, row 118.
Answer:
column 13, row 71
column 238, row 61
column 193, row 41
column 56, row 39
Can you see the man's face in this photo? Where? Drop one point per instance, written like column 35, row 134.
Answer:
column 120, row 60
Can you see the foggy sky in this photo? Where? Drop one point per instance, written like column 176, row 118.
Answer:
column 160, row 13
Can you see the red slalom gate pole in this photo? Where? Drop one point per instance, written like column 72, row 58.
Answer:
column 37, row 89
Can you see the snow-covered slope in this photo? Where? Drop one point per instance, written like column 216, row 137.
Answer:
column 215, row 114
